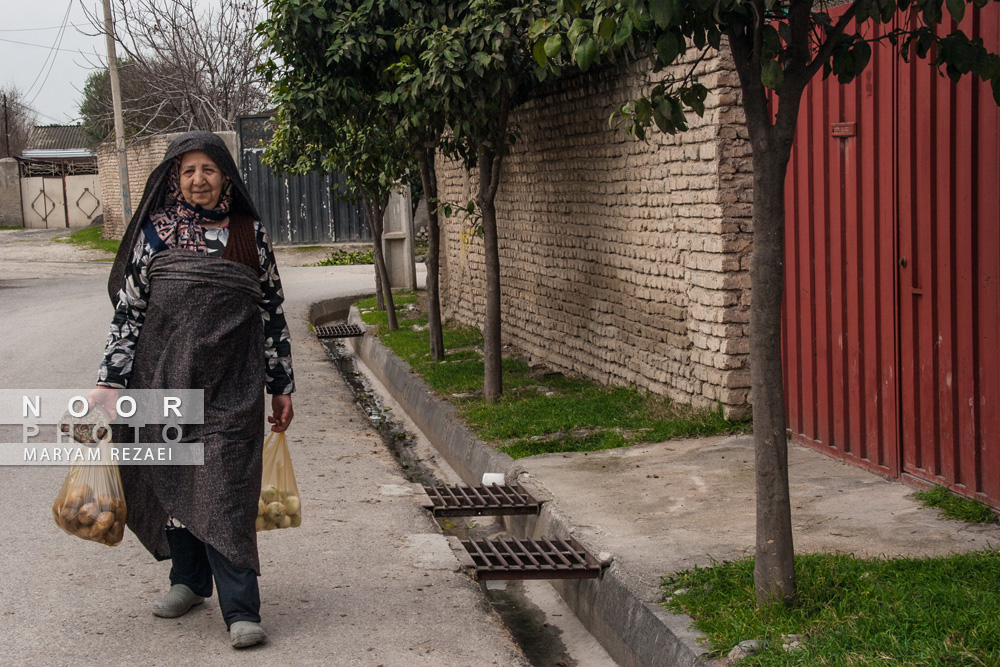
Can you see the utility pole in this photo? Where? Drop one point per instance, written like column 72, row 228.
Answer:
column 116, row 99
column 6, row 128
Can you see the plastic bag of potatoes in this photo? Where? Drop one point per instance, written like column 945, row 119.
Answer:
column 279, row 505
column 91, row 503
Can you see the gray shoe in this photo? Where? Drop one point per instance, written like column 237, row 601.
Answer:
column 246, row 633
column 177, row 602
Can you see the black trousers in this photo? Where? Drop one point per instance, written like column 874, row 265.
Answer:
column 196, row 563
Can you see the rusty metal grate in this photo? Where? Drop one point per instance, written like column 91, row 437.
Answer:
column 511, row 558
column 496, row 499
column 339, row 331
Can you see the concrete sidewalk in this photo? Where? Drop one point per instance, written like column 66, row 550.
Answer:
column 663, row 507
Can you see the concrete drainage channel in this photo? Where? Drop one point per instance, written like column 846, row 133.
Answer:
column 536, row 629
column 612, row 608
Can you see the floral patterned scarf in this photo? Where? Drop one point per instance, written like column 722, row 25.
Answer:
column 178, row 223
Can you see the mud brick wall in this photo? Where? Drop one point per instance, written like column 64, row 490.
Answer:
column 621, row 260
column 143, row 156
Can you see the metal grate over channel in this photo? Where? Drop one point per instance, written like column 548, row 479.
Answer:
column 496, row 499
column 339, row 331
column 511, row 558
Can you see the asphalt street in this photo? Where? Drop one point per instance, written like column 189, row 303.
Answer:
column 366, row 580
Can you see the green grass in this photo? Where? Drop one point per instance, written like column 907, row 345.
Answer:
column 344, row 258
column 307, row 248
column 90, row 237
column 957, row 507
column 853, row 612
column 7, row 227
column 540, row 412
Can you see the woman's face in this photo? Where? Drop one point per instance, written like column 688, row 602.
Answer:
column 201, row 179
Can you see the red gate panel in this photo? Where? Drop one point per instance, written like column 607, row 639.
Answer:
column 949, row 264
column 839, row 337
column 892, row 308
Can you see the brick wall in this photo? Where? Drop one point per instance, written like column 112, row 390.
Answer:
column 621, row 260
column 10, row 194
column 143, row 156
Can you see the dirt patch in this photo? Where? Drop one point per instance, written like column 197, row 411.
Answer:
column 43, row 245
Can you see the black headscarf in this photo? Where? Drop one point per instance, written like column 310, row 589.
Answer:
column 153, row 196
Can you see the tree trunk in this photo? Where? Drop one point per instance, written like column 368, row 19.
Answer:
column 774, row 571
column 376, row 219
column 428, row 178
column 774, row 568
column 489, row 175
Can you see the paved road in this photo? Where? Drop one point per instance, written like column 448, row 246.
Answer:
column 366, row 580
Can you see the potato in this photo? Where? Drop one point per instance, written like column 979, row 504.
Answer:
column 88, row 514
column 121, row 512
column 275, row 511
column 97, row 532
column 296, row 521
column 104, row 520
column 80, row 495
column 114, row 534
column 270, row 495
column 286, row 521
column 260, row 523
column 82, row 531
column 260, row 507
column 106, row 502
column 292, row 504
column 67, row 515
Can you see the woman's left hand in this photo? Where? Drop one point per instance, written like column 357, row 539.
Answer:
column 281, row 407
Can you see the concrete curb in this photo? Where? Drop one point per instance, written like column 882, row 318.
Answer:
column 632, row 630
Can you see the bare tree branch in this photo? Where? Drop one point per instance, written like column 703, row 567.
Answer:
column 187, row 68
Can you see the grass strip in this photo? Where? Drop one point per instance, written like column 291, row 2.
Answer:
column 957, row 507
column 90, row 237
column 344, row 257
column 540, row 411
column 853, row 612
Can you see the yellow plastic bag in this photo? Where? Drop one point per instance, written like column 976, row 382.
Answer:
column 91, row 503
column 279, row 505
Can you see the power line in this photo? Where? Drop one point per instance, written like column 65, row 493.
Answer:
column 52, row 56
column 55, row 27
column 40, row 46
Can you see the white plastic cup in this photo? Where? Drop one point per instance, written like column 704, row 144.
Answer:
column 494, row 479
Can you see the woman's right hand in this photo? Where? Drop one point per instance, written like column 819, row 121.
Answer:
column 106, row 398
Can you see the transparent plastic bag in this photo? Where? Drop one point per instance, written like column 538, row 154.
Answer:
column 279, row 505
column 91, row 503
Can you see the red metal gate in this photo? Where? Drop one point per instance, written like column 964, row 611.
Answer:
column 893, row 258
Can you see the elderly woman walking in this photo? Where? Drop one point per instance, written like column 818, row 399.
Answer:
column 198, row 306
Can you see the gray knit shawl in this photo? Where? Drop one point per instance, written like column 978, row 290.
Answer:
column 203, row 330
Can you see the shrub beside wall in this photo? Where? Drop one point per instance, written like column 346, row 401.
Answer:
column 622, row 260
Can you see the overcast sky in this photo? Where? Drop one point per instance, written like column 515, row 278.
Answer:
column 54, row 88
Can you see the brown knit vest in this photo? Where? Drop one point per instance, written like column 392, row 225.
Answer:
column 242, row 245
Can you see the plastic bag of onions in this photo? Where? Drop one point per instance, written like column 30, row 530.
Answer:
column 279, row 505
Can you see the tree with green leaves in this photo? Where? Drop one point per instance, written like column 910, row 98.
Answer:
column 483, row 61
column 370, row 155
column 778, row 46
column 341, row 62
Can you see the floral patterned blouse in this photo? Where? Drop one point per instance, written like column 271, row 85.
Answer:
column 116, row 368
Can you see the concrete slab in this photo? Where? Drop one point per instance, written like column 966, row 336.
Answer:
column 670, row 506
